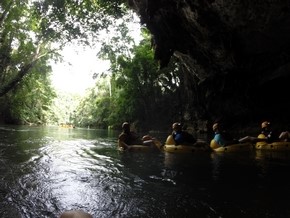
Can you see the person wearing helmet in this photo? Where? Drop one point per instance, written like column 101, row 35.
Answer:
column 180, row 136
column 266, row 135
column 218, row 136
column 128, row 137
column 270, row 135
column 223, row 138
column 267, row 132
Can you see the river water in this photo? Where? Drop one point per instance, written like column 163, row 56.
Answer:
column 47, row 170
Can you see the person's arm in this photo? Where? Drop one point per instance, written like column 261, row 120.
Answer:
column 251, row 139
column 272, row 137
column 122, row 143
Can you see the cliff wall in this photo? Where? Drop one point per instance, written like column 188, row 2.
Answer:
column 237, row 53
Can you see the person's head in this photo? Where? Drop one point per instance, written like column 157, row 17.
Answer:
column 265, row 125
column 75, row 214
column 126, row 126
column 215, row 127
column 176, row 126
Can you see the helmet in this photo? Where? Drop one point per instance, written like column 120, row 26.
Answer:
column 215, row 126
column 176, row 125
column 265, row 124
column 125, row 125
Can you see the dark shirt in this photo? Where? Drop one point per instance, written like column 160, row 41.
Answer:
column 270, row 135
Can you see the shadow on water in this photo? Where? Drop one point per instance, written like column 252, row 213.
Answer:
column 47, row 170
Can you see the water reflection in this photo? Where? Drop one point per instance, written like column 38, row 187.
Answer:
column 52, row 172
column 47, row 170
column 257, row 188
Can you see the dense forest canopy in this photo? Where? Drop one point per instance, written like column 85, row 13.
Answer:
column 134, row 89
column 206, row 69
column 29, row 28
column 28, row 32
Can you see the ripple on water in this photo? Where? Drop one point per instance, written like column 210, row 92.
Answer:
column 45, row 176
column 78, row 175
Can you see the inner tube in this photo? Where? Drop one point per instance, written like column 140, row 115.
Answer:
column 171, row 147
column 148, row 145
column 275, row 146
column 231, row 148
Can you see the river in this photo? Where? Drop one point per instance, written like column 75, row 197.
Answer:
column 48, row 170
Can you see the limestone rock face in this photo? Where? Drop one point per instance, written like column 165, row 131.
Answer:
column 237, row 53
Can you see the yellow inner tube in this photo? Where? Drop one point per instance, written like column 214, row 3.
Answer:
column 149, row 145
column 171, row 147
column 231, row 148
column 279, row 146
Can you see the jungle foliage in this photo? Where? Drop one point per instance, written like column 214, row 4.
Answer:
column 32, row 32
column 134, row 89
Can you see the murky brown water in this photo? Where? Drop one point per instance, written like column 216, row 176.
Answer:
column 47, row 170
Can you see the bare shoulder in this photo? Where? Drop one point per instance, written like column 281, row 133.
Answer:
column 122, row 136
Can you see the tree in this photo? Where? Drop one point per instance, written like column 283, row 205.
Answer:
column 30, row 102
column 28, row 30
column 141, row 93
column 20, row 46
column 34, row 31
